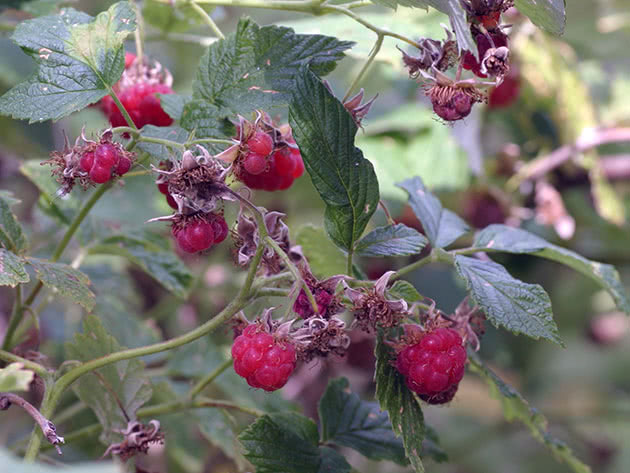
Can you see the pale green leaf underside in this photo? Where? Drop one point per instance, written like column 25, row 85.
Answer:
column 393, row 240
column 14, row 378
column 78, row 57
column 549, row 15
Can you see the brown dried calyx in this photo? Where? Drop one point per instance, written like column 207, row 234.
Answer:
column 357, row 109
column 137, row 439
column 371, row 307
column 452, row 100
column 496, row 61
column 481, row 8
column 440, row 55
column 196, row 182
column 247, row 239
column 320, row 337
column 67, row 163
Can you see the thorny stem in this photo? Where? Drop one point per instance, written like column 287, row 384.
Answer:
column 375, row 49
column 207, row 19
column 201, row 385
column 294, row 271
column 48, row 428
column 53, row 395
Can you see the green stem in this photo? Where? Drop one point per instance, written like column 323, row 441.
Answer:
column 413, row 266
column 207, row 19
column 53, row 395
column 122, row 108
column 210, row 140
column 272, row 292
column 139, row 33
column 350, row 262
column 375, row 49
column 16, row 318
column 31, row 365
column 201, row 385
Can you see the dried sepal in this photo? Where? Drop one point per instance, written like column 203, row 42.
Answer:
column 432, row 53
column 320, row 337
column 137, row 438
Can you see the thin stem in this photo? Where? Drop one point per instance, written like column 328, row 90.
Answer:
column 139, row 33
column 31, row 365
column 413, row 266
column 296, row 274
column 210, row 140
column 201, row 385
column 122, row 108
column 48, row 428
column 272, row 292
column 207, row 19
column 390, row 220
column 375, row 49
column 16, row 318
column 350, row 262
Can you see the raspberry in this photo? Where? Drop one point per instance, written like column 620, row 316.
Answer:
column 299, row 164
column 194, row 236
column 261, row 143
column 100, row 174
column 129, row 58
column 142, row 103
column 434, row 365
column 303, row 307
column 455, row 109
column 124, row 165
column 505, row 94
column 86, row 162
column 171, row 201
column 284, row 162
column 163, row 187
column 106, row 155
column 220, row 228
column 262, row 360
column 255, row 164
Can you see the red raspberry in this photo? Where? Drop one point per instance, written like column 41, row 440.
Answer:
column 299, row 164
column 129, row 58
column 195, row 236
column 124, row 165
column 255, row 164
column 303, row 307
column 220, row 228
column 506, row 93
column 163, row 187
column 262, row 360
column 171, row 201
column 261, row 143
column 142, row 104
column 106, row 155
column 284, row 163
column 86, row 162
column 100, row 174
column 435, row 364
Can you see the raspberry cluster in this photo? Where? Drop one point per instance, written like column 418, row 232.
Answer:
column 137, row 91
column 264, row 361
column 434, row 366
column 105, row 162
column 199, row 232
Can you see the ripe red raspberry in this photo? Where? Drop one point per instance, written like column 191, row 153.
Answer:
column 106, row 155
column 124, row 165
column 435, row 364
column 163, row 188
column 196, row 235
column 220, row 228
column 283, row 167
column 86, row 162
column 142, row 104
column 262, row 360
column 255, row 164
column 261, row 143
column 100, row 174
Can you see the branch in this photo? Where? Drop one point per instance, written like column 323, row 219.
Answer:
column 48, row 428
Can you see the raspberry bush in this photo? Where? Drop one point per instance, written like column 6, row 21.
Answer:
column 249, row 275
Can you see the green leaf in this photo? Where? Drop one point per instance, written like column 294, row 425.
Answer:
column 160, row 152
column 325, row 131
column 518, row 306
column 513, row 240
column 103, row 390
column 255, row 67
column 12, row 271
column 393, row 240
column 68, row 281
column 324, row 258
column 549, row 15
column 288, row 443
column 11, row 234
column 16, row 465
column 196, row 359
column 218, row 427
column 404, row 290
column 401, row 404
column 14, row 378
column 441, row 226
column 204, row 118
column 517, row 408
column 431, row 445
column 160, row 263
column 79, row 58
column 173, row 104
column 348, row 421
column 174, row 17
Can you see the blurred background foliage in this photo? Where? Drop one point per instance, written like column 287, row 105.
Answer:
column 566, row 85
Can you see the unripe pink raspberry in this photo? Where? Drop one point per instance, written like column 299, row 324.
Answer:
column 261, row 143
column 264, row 361
column 434, row 366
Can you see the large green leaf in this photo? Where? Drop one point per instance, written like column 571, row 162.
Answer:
column 401, row 404
column 12, row 270
column 288, row 443
column 347, row 420
column 14, row 378
column 219, row 428
column 13, row 464
column 325, row 132
column 507, row 302
column 506, row 239
column 79, row 58
column 392, row 240
column 549, row 15
column 440, row 225
column 11, row 234
column 158, row 262
column 324, row 258
column 107, row 389
column 517, row 408
column 255, row 68
column 68, row 281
